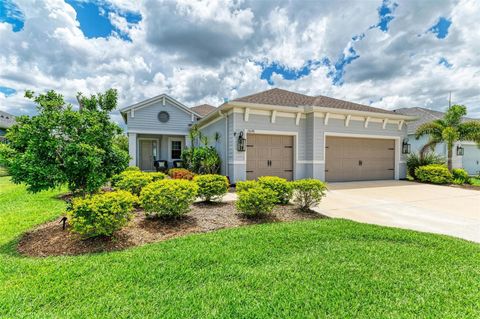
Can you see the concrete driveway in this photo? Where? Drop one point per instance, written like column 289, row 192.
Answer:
column 428, row 208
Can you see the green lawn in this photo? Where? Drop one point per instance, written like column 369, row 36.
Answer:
column 322, row 268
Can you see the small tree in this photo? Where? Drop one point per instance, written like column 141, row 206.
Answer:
column 449, row 130
column 62, row 145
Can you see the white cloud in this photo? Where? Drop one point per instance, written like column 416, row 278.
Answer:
column 204, row 51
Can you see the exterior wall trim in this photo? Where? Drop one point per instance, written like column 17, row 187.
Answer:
column 372, row 136
column 157, row 132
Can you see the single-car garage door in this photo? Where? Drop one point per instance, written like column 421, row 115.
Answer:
column 358, row 159
column 269, row 155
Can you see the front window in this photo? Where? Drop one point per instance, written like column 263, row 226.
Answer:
column 176, row 149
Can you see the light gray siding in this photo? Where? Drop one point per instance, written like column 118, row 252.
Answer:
column 471, row 159
column 146, row 119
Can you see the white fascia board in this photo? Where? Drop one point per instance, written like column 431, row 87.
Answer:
column 159, row 98
column 363, row 113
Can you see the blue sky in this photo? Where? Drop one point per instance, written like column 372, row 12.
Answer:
column 380, row 52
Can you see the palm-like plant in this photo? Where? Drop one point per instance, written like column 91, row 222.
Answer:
column 449, row 130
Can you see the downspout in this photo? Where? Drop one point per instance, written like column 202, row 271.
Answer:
column 224, row 116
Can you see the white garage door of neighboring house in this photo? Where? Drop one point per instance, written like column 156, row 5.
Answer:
column 359, row 159
column 269, row 155
column 471, row 159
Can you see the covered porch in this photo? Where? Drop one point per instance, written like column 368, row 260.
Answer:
column 146, row 149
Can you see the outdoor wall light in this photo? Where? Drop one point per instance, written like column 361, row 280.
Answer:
column 406, row 147
column 241, row 142
column 459, row 150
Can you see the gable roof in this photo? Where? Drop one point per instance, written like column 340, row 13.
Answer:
column 424, row 116
column 159, row 98
column 6, row 119
column 203, row 109
column 287, row 98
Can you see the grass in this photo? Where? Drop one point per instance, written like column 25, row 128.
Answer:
column 323, row 268
column 475, row 181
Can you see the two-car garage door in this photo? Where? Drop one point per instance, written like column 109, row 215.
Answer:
column 358, row 159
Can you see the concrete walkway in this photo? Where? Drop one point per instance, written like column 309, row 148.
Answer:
column 428, row 208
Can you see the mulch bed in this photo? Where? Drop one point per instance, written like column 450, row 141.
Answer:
column 51, row 240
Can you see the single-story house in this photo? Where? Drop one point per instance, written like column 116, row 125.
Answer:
column 276, row 132
column 470, row 160
column 6, row 121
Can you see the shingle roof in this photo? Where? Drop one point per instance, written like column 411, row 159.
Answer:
column 425, row 116
column 203, row 109
column 6, row 120
column 286, row 98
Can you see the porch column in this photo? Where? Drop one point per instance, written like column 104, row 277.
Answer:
column 132, row 148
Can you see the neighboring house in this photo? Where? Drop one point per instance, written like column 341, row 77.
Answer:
column 470, row 161
column 6, row 121
column 276, row 132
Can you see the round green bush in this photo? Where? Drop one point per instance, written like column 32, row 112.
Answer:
column 169, row 198
column 133, row 181
column 245, row 185
column 460, row 176
column 256, row 201
column 132, row 169
column 308, row 193
column 435, row 173
column 101, row 214
column 211, row 186
column 281, row 187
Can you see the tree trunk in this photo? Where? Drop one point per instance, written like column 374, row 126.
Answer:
column 449, row 158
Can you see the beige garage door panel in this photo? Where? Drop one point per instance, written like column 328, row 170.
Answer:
column 269, row 155
column 356, row 159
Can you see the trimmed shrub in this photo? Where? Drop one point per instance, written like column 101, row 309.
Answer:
column 132, row 169
column 308, row 193
column 133, row 181
column 181, row 173
column 101, row 214
column 169, row 198
column 436, row 174
column 281, row 187
column 158, row 176
column 460, row 176
column 256, row 201
column 211, row 186
column 414, row 161
column 246, row 185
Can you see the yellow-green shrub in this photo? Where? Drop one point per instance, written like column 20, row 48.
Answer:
column 133, row 181
column 245, row 185
column 211, row 186
column 256, row 201
column 101, row 214
column 460, row 176
column 157, row 176
column 169, row 197
column 132, row 169
column 281, row 187
column 436, row 174
column 308, row 193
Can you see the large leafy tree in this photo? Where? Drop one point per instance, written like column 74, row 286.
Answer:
column 63, row 145
column 449, row 130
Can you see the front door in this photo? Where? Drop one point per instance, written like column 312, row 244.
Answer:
column 148, row 150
